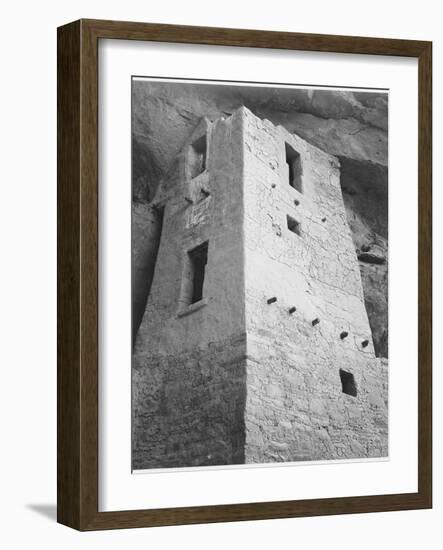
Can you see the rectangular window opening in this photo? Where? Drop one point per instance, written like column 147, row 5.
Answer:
column 293, row 161
column 197, row 156
column 348, row 384
column 198, row 259
column 293, row 225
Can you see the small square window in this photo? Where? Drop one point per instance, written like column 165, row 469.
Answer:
column 293, row 225
column 348, row 384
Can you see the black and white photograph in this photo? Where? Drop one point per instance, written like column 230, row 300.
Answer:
column 219, row 275
column 259, row 274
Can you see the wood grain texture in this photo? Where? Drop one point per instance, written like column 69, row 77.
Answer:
column 78, row 270
column 68, row 275
column 425, row 274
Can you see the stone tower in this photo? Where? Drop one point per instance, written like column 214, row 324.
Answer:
column 255, row 344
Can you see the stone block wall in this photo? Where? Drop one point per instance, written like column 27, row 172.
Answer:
column 317, row 326
column 188, row 409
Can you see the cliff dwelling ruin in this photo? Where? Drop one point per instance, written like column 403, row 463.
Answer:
column 253, row 342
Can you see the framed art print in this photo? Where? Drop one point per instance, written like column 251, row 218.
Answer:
column 244, row 275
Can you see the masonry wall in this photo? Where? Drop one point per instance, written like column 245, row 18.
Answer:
column 295, row 407
column 188, row 408
column 234, row 378
column 189, row 361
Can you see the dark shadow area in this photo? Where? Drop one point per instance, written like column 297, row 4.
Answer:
column 146, row 173
column 147, row 224
column 365, row 191
column 365, row 194
column 49, row 511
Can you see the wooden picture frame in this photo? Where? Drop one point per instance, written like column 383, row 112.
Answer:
column 78, row 274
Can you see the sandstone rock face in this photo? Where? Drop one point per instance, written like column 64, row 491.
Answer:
column 349, row 125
